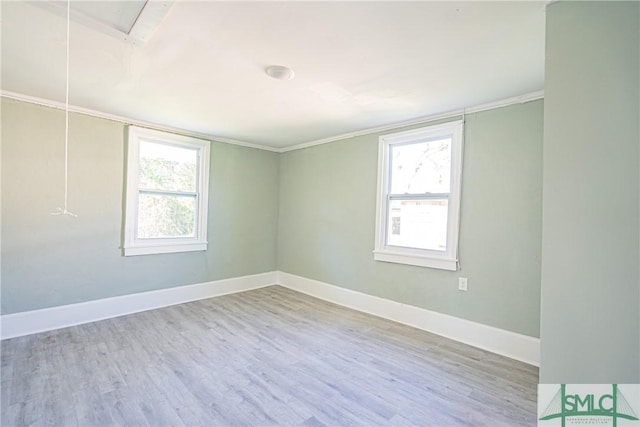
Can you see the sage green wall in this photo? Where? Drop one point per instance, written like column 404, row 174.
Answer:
column 590, row 324
column 54, row 260
column 327, row 215
column 323, row 227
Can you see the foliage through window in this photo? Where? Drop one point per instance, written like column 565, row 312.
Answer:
column 419, row 196
column 167, row 181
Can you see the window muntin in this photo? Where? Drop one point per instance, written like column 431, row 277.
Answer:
column 167, row 189
column 419, row 196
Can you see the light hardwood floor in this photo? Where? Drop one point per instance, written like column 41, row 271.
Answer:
column 265, row 357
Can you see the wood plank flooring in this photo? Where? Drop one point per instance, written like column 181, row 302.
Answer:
column 265, row 357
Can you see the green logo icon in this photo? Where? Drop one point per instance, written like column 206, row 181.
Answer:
column 565, row 405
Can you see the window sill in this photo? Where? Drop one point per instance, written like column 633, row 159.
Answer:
column 415, row 259
column 164, row 248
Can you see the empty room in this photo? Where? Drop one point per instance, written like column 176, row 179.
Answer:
column 333, row 213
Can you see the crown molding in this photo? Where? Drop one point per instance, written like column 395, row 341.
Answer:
column 522, row 99
column 129, row 120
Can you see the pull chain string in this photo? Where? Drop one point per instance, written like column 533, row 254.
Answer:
column 464, row 138
column 65, row 211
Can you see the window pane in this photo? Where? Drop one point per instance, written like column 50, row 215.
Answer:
column 420, row 224
column 423, row 167
column 165, row 167
column 161, row 215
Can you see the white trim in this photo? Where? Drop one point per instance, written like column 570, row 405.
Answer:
column 154, row 249
column 522, row 99
column 447, row 260
column 507, row 343
column 500, row 341
column 129, row 121
column 132, row 244
column 386, row 255
column 47, row 319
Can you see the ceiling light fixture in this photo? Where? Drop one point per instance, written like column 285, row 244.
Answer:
column 280, row 72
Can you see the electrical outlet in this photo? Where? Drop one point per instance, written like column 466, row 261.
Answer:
column 462, row 283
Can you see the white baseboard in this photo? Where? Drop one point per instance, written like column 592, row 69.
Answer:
column 47, row 319
column 507, row 343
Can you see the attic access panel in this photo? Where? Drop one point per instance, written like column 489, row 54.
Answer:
column 118, row 15
column 131, row 20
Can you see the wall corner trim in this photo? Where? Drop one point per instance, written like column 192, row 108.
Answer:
column 47, row 319
column 510, row 344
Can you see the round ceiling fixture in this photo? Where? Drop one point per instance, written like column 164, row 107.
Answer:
column 280, row 72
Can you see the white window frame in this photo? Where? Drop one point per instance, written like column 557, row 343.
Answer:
column 133, row 245
column 445, row 260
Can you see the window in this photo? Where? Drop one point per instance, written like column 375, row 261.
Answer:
column 167, row 187
column 419, row 196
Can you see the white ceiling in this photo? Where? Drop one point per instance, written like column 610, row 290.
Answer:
column 358, row 65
